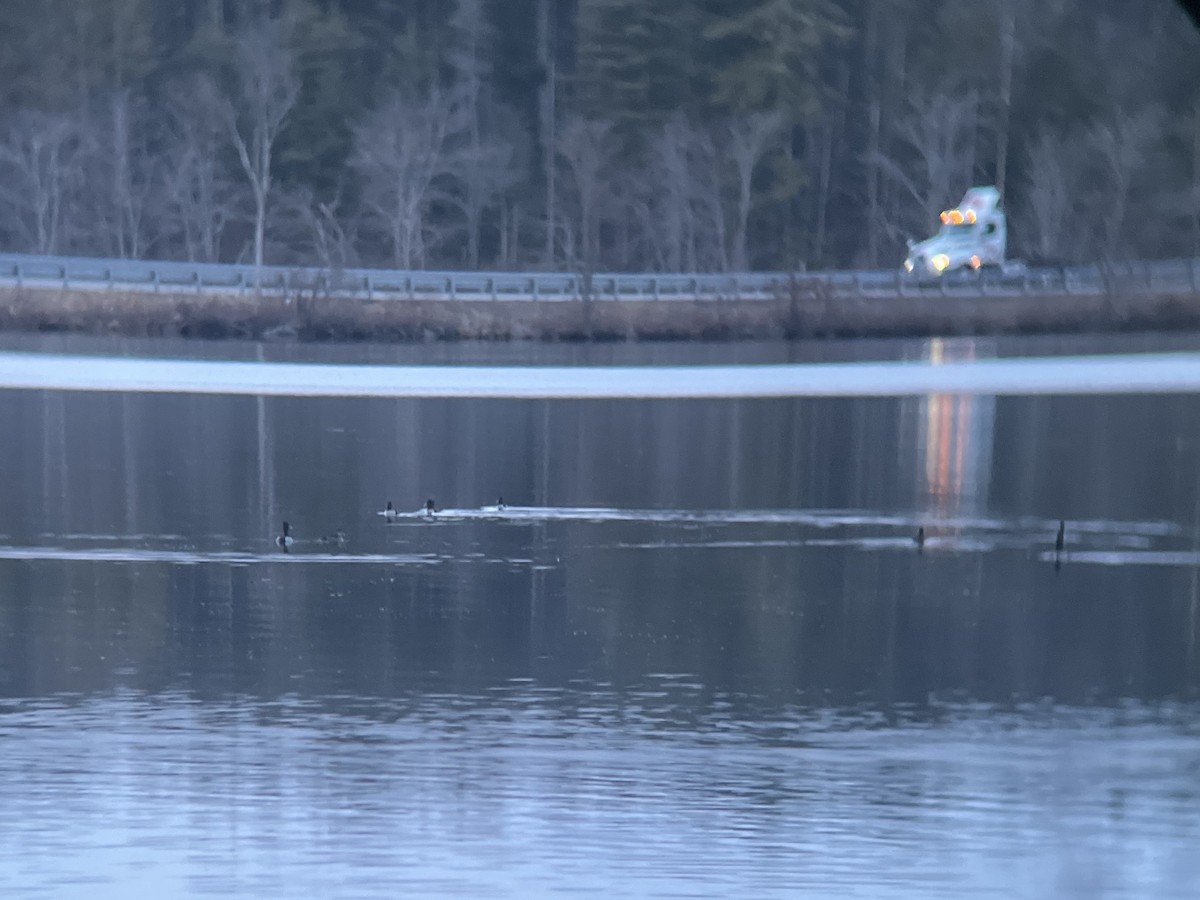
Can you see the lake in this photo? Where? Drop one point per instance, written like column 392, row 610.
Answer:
column 698, row 652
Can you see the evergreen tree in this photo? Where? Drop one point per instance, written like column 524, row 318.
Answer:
column 762, row 55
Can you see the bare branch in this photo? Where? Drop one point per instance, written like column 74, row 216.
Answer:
column 39, row 166
column 399, row 150
column 266, row 90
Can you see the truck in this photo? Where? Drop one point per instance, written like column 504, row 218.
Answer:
column 973, row 235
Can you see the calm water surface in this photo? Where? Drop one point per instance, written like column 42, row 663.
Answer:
column 699, row 654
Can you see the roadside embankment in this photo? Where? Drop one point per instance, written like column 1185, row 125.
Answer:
column 802, row 314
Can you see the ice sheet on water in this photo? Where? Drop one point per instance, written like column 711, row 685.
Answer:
column 1113, row 374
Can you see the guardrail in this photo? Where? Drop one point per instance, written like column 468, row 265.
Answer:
column 88, row 274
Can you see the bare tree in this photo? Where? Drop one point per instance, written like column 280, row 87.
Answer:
column 39, row 166
column 708, row 167
column 686, row 224
column 121, row 176
column 1121, row 147
column 585, row 145
column 198, row 193
column 316, row 229
column 1192, row 203
column 1050, row 198
column 670, row 223
column 547, row 25
column 265, row 90
column 399, row 150
column 934, row 156
column 1088, row 176
column 748, row 139
column 1008, row 46
column 481, row 160
column 483, row 172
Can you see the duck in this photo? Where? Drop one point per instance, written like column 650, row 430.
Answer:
column 430, row 509
column 338, row 537
column 284, row 540
column 389, row 512
column 500, row 504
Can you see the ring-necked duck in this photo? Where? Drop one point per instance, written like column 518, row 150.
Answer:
column 284, row 540
column 430, row 509
column 389, row 512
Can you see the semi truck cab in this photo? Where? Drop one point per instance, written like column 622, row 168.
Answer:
column 974, row 234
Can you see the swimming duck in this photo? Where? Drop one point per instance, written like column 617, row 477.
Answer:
column 389, row 512
column 430, row 509
column 500, row 504
column 284, row 540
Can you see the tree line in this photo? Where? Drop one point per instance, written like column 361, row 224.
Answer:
column 592, row 135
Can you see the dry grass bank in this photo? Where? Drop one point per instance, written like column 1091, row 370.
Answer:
column 316, row 318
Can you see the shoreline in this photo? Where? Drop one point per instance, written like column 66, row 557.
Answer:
column 308, row 318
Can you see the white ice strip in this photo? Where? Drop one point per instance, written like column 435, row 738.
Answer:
column 1174, row 559
column 816, row 518
column 195, row 558
column 1116, row 374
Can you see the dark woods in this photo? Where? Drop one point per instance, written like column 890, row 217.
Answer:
column 592, row 135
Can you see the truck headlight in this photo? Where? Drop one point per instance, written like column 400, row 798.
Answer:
column 941, row 262
column 908, row 265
